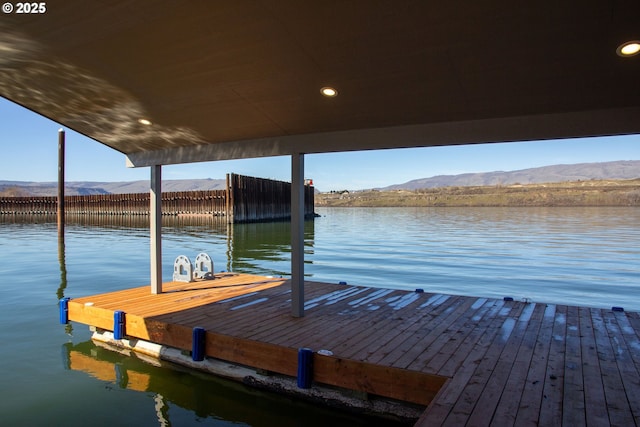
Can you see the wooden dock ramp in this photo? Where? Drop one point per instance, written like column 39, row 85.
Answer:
column 464, row 360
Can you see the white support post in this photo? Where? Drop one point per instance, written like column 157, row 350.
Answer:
column 155, row 224
column 297, row 235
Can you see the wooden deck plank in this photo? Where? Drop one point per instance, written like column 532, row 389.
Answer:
column 345, row 328
column 391, row 333
column 179, row 296
column 142, row 292
column 451, row 337
column 553, row 389
column 633, row 318
column 402, row 384
column 387, row 330
column 278, row 325
column 573, row 379
column 629, row 374
column 90, row 315
column 513, row 389
column 350, row 331
column 528, row 413
column 330, row 331
column 180, row 301
column 630, row 336
column 415, row 344
column 461, row 342
column 616, row 398
column 507, row 363
column 497, row 380
column 418, row 333
column 229, row 315
column 446, row 408
column 490, row 322
column 388, row 316
column 595, row 412
column 280, row 320
column 465, row 406
column 319, row 328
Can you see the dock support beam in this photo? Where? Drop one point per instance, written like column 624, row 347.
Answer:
column 155, row 223
column 297, row 235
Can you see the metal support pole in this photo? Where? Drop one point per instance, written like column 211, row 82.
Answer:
column 155, row 224
column 61, row 150
column 229, row 199
column 297, row 235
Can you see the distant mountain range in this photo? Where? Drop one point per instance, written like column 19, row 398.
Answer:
column 22, row 188
column 628, row 169
column 624, row 169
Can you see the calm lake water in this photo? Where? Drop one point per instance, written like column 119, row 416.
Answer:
column 53, row 374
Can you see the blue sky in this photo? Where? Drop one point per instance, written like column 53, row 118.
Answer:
column 29, row 153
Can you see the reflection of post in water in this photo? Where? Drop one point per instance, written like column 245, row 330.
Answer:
column 257, row 246
column 109, row 366
column 162, row 410
column 207, row 396
column 63, row 267
column 68, row 328
column 229, row 246
column 61, row 249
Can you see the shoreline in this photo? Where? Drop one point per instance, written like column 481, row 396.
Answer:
column 563, row 194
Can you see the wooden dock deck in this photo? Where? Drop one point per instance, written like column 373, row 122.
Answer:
column 467, row 361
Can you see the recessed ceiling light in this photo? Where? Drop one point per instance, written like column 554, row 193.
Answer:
column 627, row 49
column 144, row 122
column 329, row 92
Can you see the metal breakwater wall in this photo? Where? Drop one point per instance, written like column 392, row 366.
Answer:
column 198, row 202
column 246, row 199
column 258, row 199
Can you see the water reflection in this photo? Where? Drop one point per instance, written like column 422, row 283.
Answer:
column 154, row 392
column 206, row 396
column 63, row 275
column 63, row 267
column 577, row 256
column 250, row 245
column 247, row 247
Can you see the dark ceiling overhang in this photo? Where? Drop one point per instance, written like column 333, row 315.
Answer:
column 221, row 80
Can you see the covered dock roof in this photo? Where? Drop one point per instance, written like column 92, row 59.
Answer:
column 178, row 82
column 242, row 79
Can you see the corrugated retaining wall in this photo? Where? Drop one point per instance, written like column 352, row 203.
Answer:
column 246, row 199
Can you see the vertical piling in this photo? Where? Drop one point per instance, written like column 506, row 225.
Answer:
column 61, row 149
column 229, row 211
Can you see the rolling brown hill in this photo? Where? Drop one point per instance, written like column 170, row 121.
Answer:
column 624, row 169
column 575, row 193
